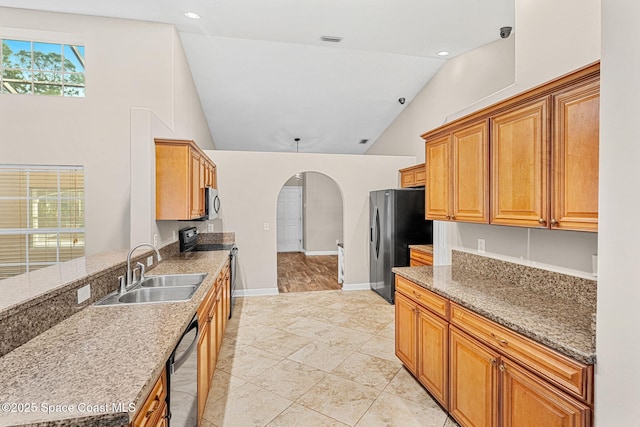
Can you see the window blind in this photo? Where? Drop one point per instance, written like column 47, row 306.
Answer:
column 41, row 216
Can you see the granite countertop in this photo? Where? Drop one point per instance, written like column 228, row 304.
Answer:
column 562, row 324
column 102, row 355
column 427, row 249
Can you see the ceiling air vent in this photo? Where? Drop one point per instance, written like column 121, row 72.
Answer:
column 364, row 141
column 332, row 39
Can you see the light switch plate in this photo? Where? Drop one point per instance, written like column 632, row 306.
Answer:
column 84, row 293
column 480, row 246
column 155, row 240
column 265, row 226
column 210, row 228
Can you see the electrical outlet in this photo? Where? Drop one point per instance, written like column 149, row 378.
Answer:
column 84, row 293
column 480, row 246
column 265, row 226
column 149, row 260
column 155, row 240
column 210, row 228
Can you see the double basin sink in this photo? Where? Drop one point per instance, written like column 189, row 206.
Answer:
column 154, row 289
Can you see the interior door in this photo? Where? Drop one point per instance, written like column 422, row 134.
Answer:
column 289, row 219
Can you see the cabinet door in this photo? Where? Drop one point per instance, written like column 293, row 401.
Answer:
column 213, row 338
column 407, row 178
column 203, row 369
column 406, row 329
column 437, row 188
column 433, row 355
column 529, row 402
column 519, row 166
column 196, row 202
column 574, row 161
column 473, row 381
column 173, row 166
column 471, row 174
column 220, row 323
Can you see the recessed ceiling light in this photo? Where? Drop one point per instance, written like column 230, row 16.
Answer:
column 332, row 39
column 443, row 53
column 192, row 15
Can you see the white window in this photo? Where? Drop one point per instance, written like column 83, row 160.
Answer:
column 41, row 216
column 30, row 67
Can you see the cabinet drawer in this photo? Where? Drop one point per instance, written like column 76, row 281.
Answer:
column 420, row 257
column 570, row 375
column 420, row 295
column 155, row 405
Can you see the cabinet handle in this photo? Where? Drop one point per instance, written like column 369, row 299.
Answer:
column 501, row 341
column 417, row 295
column 553, row 222
column 542, row 221
column 493, row 361
column 502, row 368
column 154, row 406
column 453, row 217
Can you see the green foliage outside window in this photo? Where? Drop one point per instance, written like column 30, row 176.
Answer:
column 42, row 68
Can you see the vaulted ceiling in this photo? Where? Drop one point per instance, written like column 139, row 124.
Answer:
column 265, row 77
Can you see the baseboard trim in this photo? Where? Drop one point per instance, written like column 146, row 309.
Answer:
column 317, row 253
column 256, row 292
column 356, row 286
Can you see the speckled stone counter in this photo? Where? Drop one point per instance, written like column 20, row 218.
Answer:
column 100, row 356
column 562, row 323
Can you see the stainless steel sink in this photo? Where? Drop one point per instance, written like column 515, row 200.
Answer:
column 156, row 289
column 141, row 295
column 173, row 280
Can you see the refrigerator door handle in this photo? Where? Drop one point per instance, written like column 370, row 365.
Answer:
column 377, row 233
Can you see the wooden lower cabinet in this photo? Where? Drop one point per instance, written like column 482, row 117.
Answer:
column 419, row 258
column 153, row 412
column 406, row 332
column 433, row 351
column 203, row 368
column 528, row 401
column 473, row 381
column 421, row 345
column 484, row 374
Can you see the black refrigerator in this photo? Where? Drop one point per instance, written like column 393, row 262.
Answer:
column 396, row 219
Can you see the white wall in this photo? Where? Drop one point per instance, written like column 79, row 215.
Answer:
column 130, row 65
column 249, row 183
column 550, row 39
column 322, row 213
column 618, row 342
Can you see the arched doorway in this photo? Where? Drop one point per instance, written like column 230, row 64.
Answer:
column 309, row 229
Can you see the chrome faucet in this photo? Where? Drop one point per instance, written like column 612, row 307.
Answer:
column 128, row 279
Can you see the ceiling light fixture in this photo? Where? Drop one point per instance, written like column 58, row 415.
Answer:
column 331, row 39
column 443, row 53
column 192, row 15
column 364, row 141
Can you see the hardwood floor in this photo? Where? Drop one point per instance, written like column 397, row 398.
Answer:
column 300, row 273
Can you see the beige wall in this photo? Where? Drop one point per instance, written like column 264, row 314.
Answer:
column 550, row 38
column 130, row 65
column 322, row 211
column 249, row 184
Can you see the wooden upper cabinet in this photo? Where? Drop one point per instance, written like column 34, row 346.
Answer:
column 438, row 190
column 413, row 176
column 458, row 175
column 471, row 174
column 183, row 172
column 574, row 161
column 519, row 171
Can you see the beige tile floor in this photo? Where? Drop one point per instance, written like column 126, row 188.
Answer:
column 315, row 359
